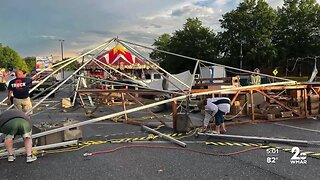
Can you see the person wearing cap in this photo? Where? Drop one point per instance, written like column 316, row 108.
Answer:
column 12, row 123
column 255, row 77
column 217, row 108
column 18, row 88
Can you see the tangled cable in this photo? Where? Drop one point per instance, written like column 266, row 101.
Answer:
column 167, row 147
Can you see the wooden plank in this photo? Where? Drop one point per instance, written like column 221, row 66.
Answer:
column 121, row 90
column 174, row 113
column 210, row 84
column 314, row 90
column 233, row 90
column 228, row 91
column 235, row 97
column 252, row 105
column 276, row 101
column 130, row 111
column 305, row 97
column 124, row 107
column 156, row 116
column 282, row 87
column 213, row 79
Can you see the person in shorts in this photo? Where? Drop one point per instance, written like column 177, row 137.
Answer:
column 217, row 108
column 12, row 123
column 210, row 109
column 19, row 89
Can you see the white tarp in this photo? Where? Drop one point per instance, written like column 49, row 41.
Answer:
column 314, row 72
column 213, row 72
column 185, row 77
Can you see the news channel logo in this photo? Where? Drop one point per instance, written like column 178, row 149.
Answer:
column 298, row 157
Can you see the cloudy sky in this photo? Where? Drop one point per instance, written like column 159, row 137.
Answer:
column 34, row 27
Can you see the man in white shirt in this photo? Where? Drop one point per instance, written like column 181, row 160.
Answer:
column 216, row 107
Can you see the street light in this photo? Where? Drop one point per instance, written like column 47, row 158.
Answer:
column 61, row 45
column 241, row 56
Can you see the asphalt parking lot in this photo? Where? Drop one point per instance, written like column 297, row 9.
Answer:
column 160, row 159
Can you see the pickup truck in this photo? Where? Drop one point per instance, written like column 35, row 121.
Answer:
column 43, row 87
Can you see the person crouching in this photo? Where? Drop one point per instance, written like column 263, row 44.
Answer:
column 15, row 122
column 223, row 104
column 217, row 108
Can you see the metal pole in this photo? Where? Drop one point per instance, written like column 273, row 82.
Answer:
column 69, row 62
column 54, row 65
column 37, row 148
column 61, row 45
column 180, row 143
column 104, row 69
column 56, row 88
column 159, row 68
column 194, row 74
column 73, row 59
column 263, row 139
column 203, row 61
column 76, row 91
column 137, row 109
column 63, row 82
column 131, row 85
column 123, row 74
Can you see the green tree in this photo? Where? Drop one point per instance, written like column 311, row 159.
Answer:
column 193, row 40
column 73, row 66
column 10, row 59
column 249, row 28
column 162, row 43
column 31, row 62
column 298, row 29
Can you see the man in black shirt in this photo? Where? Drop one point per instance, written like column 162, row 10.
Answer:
column 19, row 89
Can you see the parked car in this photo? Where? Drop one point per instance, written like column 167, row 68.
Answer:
column 43, row 87
column 9, row 78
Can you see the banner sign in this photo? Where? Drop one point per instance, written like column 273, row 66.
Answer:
column 44, row 63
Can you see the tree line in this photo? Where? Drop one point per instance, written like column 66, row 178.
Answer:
column 10, row 60
column 253, row 35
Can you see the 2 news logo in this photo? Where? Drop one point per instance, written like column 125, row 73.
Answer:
column 298, row 158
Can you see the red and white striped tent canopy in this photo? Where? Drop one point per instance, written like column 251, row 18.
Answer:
column 120, row 58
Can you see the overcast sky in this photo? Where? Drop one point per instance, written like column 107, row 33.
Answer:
column 34, row 27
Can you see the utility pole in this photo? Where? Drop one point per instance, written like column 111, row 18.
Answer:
column 61, row 45
column 241, row 56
